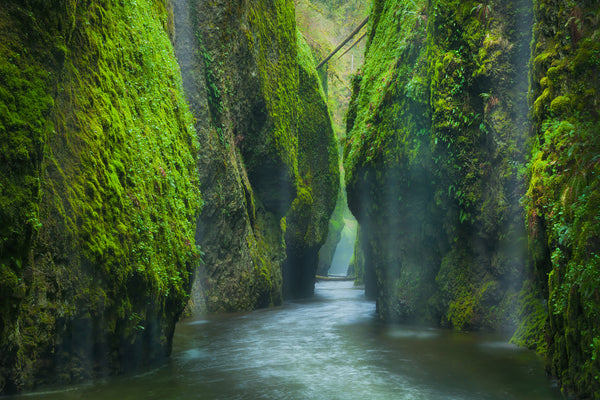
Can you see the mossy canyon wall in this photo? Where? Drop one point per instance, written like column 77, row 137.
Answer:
column 471, row 166
column 563, row 196
column 269, row 164
column 103, row 230
column 99, row 190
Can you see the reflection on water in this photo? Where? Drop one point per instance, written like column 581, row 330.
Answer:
column 328, row 347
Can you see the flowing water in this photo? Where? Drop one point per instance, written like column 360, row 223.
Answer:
column 344, row 249
column 328, row 347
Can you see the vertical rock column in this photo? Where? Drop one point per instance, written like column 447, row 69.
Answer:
column 238, row 60
column 307, row 222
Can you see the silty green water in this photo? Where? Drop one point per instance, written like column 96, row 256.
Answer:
column 328, row 347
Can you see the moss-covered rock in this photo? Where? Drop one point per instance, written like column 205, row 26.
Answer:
column 434, row 159
column 265, row 155
column 239, row 64
column 98, row 192
column 564, row 187
column 386, row 163
column 318, row 166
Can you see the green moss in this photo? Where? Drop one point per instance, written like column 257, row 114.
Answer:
column 267, row 279
column 156, row 195
column 461, row 313
column 438, row 126
column 560, row 105
column 302, row 203
column 274, row 32
column 24, row 106
column 318, row 167
column 532, row 318
column 563, row 189
column 100, row 145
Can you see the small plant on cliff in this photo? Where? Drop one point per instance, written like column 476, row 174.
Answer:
column 483, row 11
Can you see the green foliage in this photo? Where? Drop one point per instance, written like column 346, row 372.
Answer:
column 532, row 318
column 366, row 140
column 325, row 24
column 564, row 192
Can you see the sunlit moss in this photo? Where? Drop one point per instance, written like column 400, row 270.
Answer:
column 278, row 79
column 99, row 163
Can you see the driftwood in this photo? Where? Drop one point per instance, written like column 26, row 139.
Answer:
column 334, row 278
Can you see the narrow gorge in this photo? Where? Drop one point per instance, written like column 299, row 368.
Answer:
column 168, row 161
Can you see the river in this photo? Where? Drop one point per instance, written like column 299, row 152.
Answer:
column 327, row 347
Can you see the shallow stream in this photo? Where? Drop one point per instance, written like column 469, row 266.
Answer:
column 327, row 347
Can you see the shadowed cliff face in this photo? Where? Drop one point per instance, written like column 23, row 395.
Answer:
column 247, row 176
column 266, row 150
column 563, row 196
column 241, row 239
column 99, row 190
column 440, row 173
column 307, row 222
column 436, row 132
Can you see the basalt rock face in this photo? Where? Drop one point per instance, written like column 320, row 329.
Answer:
column 307, row 222
column 265, row 150
column 477, row 206
column 98, row 190
column 224, row 50
column 437, row 127
column 563, row 197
